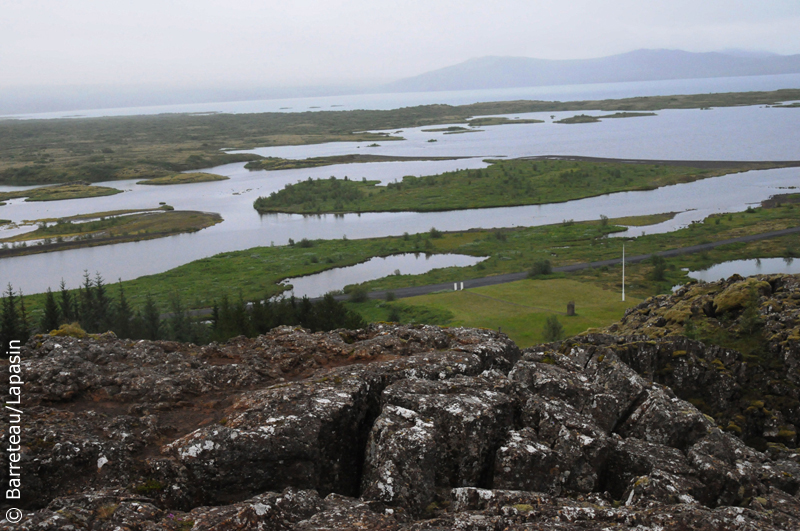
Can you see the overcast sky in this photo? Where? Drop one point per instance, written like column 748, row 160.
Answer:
column 300, row 42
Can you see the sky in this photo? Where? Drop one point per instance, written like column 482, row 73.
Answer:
column 180, row 43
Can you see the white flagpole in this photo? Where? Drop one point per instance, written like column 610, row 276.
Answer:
column 623, row 272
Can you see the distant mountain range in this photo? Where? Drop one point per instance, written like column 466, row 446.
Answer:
column 639, row 65
column 482, row 73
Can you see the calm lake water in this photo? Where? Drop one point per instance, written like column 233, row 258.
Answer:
column 405, row 264
column 742, row 133
column 590, row 91
column 762, row 266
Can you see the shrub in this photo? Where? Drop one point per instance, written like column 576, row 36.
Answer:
column 750, row 322
column 540, row 267
column 359, row 294
column 434, row 233
column 659, row 267
column 553, row 331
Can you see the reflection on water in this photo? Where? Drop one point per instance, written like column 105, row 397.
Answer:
column 399, row 264
column 741, row 133
column 745, row 268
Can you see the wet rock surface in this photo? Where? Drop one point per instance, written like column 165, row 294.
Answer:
column 390, row 427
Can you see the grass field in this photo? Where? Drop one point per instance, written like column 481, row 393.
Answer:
column 503, row 183
column 520, row 308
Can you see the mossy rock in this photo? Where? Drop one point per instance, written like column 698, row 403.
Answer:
column 774, row 304
column 787, row 435
column 738, row 294
column 705, row 288
column 70, row 330
column 794, row 335
column 679, row 313
column 733, row 428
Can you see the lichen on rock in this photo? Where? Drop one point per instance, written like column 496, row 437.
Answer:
column 403, row 428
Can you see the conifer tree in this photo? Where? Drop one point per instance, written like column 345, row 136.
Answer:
column 88, row 318
column 124, row 315
column 151, row 319
column 24, row 322
column 52, row 316
column 66, row 304
column 102, row 310
column 180, row 328
column 9, row 318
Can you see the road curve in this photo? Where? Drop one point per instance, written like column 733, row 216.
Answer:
column 512, row 277
column 415, row 291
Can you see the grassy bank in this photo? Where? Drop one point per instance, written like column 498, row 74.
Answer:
column 185, row 178
column 57, row 193
column 586, row 119
column 503, row 183
column 105, row 228
column 500, row 120
column 276, row 163
column 141, row 147
column 256, row 273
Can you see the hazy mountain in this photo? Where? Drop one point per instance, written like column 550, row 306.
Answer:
column 639, row 65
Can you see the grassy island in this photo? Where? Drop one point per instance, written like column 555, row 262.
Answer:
column 141, row 147
column 501, row 120
column 503, row 183
column 185, row 178
column 628, row 115
column 452, row 130
column 520, row 307
column 579, row 119
column 277, row 163
column 103, row 228
column 60, row 192
column 586, row 119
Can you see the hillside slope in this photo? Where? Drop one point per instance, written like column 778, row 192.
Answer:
column 639, row 65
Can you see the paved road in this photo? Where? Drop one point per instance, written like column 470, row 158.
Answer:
column 511, row 277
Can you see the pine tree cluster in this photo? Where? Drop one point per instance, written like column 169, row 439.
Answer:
column 95, row 310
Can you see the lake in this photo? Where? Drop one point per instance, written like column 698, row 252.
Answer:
column 740, row 133
column 319, row 284
column 756, row 266
column 588, row 91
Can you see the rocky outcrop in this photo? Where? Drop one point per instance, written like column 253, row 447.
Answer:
column 742, row 366
column 390, row 427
